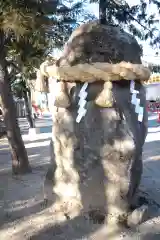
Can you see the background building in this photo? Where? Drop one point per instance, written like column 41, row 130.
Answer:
column 153, row 89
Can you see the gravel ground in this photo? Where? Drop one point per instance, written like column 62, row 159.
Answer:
column 23, row 216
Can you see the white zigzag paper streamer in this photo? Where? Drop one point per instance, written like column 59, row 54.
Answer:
column 82, row 102
column 132, row 86
column 136, row 101
column 140, row 115
column 137, row 106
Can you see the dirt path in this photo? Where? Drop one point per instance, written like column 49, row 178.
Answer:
column 22, row 215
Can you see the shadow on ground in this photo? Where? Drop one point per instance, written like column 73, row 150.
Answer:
column 21, row 201
column 21, row 196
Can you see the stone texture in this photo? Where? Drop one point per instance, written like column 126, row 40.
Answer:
column 93, row 42
column 138, row 216
column 97, row 164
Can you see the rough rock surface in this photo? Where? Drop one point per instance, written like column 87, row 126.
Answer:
column 96, row 165
column 138, row 216
column 92, row 42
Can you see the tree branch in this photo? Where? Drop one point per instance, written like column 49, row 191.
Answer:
column 133, row 18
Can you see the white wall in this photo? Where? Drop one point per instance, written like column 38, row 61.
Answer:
column 153, row 91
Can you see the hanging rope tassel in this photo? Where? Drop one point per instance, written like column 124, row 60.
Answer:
column 53, row 89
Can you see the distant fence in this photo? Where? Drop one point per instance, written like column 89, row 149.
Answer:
column 20, row 108
column 154, row 107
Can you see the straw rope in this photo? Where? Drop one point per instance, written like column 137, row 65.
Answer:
column 98, row 71
column 90, row 73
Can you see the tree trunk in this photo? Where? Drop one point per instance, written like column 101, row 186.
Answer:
column 20, row 162
column 29, row 111
column 102, row 11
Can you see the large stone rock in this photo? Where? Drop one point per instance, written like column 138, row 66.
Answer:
column 92, row 42
column 96, row 165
